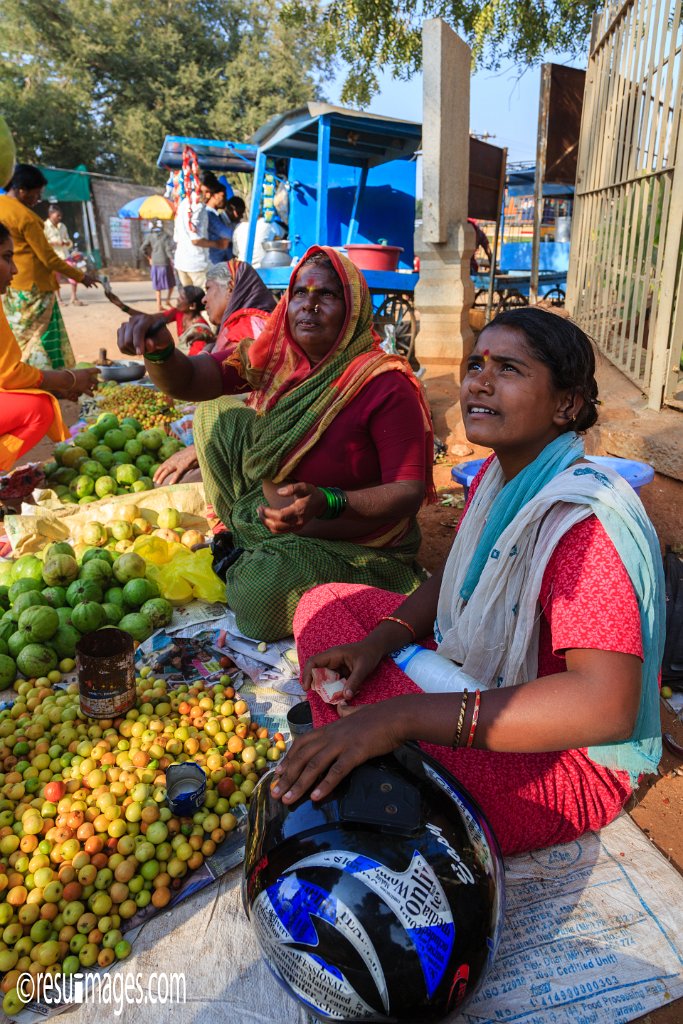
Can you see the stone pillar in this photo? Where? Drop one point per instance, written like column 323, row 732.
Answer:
column 445, row 242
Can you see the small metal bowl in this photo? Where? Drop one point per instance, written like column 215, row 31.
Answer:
column 277, row 245
column 123, row 371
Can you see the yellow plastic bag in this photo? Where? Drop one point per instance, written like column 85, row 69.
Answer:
column 186, row 567
column 154, row 549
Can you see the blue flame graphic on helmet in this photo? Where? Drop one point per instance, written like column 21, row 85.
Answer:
column 415, row 896
column 292, row 918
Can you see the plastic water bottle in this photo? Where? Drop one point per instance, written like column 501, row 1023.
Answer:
column 431, row 671
column 388, row 345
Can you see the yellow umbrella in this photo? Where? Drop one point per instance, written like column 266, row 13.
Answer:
column 156, row 208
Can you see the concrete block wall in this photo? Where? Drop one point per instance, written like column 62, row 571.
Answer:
column 108, row 198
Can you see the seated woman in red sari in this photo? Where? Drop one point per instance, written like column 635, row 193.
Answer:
column 542, row 695
column 320, row 474
column 237, row 302
column 28, row 405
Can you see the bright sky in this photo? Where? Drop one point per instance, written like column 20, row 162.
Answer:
column 503, row 103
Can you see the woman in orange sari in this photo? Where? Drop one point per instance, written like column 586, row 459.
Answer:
column 28, row 404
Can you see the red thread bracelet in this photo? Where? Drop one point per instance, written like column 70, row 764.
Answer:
column 401, row 622
column 475, row 717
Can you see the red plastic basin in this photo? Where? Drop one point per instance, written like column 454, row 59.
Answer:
column 374, row 257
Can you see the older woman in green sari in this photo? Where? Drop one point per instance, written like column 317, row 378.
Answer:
column 320, row 475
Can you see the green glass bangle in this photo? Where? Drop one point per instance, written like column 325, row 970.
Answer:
column 336, row 502
column 161, row 357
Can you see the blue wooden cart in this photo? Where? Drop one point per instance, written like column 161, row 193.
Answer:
column 212, row 154
column 351, row 179
column 512, row 278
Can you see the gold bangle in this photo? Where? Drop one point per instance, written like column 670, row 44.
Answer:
column 75, row 382
column 461, row 718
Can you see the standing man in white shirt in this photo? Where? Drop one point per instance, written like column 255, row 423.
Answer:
column 57, row 235
column 191, row 261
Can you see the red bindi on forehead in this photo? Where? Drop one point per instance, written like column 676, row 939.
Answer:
column 501, row 338
column 314, row 278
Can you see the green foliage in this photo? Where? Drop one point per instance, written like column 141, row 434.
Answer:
column 102, row 81
column 370, row 35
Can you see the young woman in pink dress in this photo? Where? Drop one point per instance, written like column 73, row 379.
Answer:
column 550, row 603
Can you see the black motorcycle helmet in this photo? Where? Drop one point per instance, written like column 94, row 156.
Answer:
column 383, row 902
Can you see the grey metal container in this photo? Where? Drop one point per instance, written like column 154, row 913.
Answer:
column 277, row 253
column 300, row 718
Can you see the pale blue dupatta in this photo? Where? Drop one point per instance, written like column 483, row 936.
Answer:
column 554, row 481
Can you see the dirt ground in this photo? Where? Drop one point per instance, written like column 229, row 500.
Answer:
column 93, row 325
column 657, row 807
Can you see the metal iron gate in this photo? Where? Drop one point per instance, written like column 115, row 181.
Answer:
column 625, row 284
